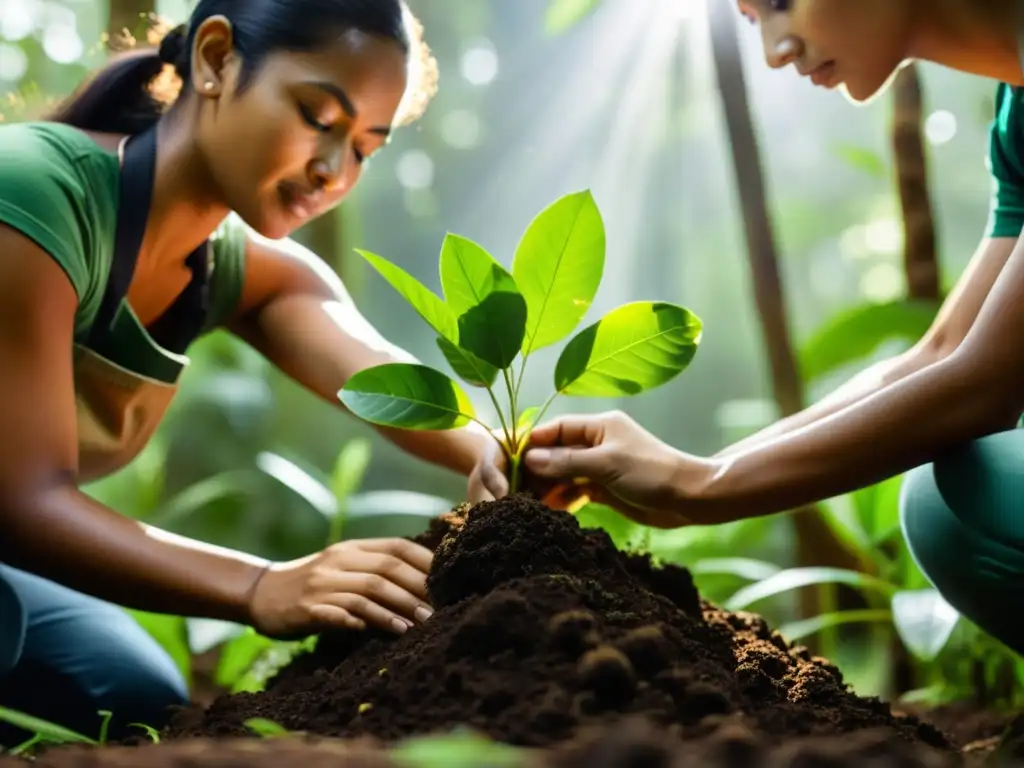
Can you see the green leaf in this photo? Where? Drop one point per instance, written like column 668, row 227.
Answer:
column 299, row 481
column 239, row 656
column 171, row 632
column 350, row 468
column 621, row 529
column 470, row 368
column 527, row 421
column 924, row 621
column 45, row 730
column 863, row 159
column 794, row 578
column 558, row 266
column 483, row 296
column 563, row 14
column 428, row 304
column 463, row 749
column 151, row 732
column 798, row 630
column 854, row 334
column 634, row 348
column 407, row 397
column 266, row 728
column 743, row 567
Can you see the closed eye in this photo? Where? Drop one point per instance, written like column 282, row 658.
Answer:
column 310, row 117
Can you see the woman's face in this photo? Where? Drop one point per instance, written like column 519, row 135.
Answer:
column 854, row 44
column 294, row 141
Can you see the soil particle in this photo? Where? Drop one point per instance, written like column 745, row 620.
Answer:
column 543, row 631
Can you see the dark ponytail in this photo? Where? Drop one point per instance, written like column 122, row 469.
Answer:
column 120, row 98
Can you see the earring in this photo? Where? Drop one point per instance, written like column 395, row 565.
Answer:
column 208, row 85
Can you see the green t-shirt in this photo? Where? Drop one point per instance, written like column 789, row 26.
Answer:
column 1006, row 162
column 61, row 189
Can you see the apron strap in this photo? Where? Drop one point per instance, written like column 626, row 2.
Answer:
column 183, row 322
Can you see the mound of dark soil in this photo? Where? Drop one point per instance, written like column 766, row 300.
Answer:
column 543, row 631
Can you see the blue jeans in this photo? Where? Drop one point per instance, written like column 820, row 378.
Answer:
column 65, row 655
column 963, row 519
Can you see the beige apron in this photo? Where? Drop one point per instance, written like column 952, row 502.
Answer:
column 118, row 409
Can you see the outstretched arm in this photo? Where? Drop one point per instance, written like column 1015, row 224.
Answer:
column 296, row 312
column 949, row 329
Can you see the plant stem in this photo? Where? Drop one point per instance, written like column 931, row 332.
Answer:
column 514, row 461
column 501, row 417
column 513, row 416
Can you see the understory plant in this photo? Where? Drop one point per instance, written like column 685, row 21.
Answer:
column 491, row 319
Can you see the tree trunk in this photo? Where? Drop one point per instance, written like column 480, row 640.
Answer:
column 920, row 259
column 816, row 545
column 919, row 249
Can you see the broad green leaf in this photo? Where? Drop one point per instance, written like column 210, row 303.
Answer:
column 462, row 749
column 407, row 397
column 863, row 159
column 266, row 728
column 854, row 334
column 483, row 296
column 558, row 266
column 44, row 729
column 621, row 529
column 350, row 468
column 198, row 496
column 527, row 421
column 798, row 630
column 743, row 567
column 563, row 14
column 239, row 656
column 924, row 621
column 428, row 304
column 844, row 520
column 794, row 578
column 299, row 481
column 206, row 634
column 632, row 349
column 470, row 368
column 171, row 633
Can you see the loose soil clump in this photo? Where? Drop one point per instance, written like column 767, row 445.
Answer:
column 544, row 633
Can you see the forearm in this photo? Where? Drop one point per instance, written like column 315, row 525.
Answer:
column 63, row 535
column 321, row 345
column 866, row 383
column 457, row 449
column 888, row 432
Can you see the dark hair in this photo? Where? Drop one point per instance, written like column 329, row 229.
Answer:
column 120, row 98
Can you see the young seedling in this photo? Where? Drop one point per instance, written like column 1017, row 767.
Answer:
column 490, row 318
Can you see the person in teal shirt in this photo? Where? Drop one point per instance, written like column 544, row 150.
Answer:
column 945, row 412
column 129, row 230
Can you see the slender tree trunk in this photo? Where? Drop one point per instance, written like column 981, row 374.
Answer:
column 816, row 545
column 920, row 258
column 919, row 250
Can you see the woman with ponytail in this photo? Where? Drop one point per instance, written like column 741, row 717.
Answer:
column 129, row 228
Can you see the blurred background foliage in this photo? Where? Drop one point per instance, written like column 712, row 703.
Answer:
column 631, row 99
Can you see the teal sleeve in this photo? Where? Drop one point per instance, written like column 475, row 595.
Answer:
column 227, row 280
column 1006, row 163
column 43, row 196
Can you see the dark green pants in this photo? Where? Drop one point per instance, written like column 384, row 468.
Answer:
column 963, row 519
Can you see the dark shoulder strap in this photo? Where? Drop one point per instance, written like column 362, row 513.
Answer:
column 184, row 321
column 138, row 170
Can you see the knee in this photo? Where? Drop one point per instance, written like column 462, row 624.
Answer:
column 133, row 677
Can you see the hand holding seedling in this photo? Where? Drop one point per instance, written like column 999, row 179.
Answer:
column 490, row 318
column 610, row 459
column 377, row 582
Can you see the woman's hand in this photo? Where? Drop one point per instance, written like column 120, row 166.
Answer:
column 613, row 460
column 377, row 582
column 489, row 478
